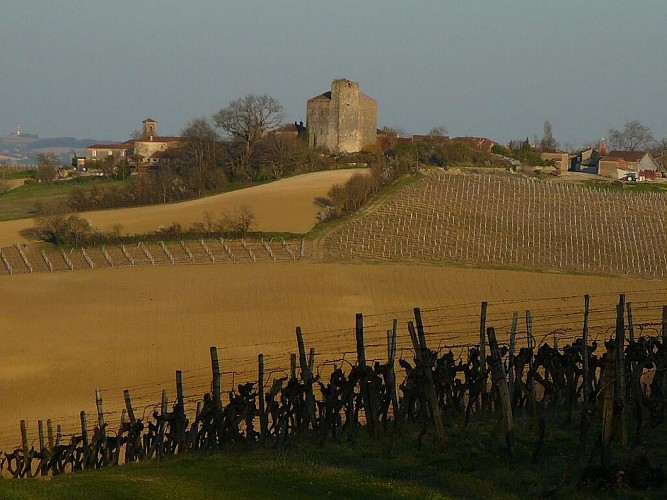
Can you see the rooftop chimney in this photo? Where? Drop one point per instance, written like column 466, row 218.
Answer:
column 602, row 147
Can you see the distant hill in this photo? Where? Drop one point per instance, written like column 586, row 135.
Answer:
column 54, row 142
column 22, row 149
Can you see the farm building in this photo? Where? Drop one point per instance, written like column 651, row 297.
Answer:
column 614, row 168
column 561, row 160
column 342, row 120
column 619, row 163
column 640, row 161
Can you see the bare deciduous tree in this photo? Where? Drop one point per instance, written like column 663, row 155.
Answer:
column 548, row 143
column 247, row 120
column 4, row 183
column 199, row 151
column 53, row 224
column 280, row 153
column 238, row 223
column 633, row 137
column 389, row 138
column 439, row 131
column 47, row 167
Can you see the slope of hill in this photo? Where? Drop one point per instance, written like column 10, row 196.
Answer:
column 286, row 205
column 504, row 220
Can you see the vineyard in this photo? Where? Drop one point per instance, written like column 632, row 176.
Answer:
column 501, row 220
column 608, row 382
column 19, row 259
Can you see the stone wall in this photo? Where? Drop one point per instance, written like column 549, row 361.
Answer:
column 146, row 148
column 368, row 123
column 343, row 120
column 318, row 124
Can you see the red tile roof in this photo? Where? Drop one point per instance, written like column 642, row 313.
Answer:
column 633, row 156
column 420, row 138
column 481, row 143
column 122, row 145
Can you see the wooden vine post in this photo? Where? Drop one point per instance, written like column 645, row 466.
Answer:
column 180, row 413
column 619, row 381
column 664, row 346
column 217, row 402
column 263, row 417
column 500, row 382
column 531, row 346
column 49, row 433
column 102, row 428
column 307, row 379
column 482, row 353
column 364, row 379
column 607, row 404
column 128, row 406
column 26, row 466
column 84, row 438
column 391, row 362
column 162, row 424
column 584, row 351
column 510, row 367
column 311, row 366
column 292, row 365
column 100, row 412
column 133, row 450
column 427, row 363
column 631, row 323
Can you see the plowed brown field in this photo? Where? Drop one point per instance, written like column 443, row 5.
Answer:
column 65, row 334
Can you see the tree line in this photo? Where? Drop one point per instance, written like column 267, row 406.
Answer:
column 72, row 230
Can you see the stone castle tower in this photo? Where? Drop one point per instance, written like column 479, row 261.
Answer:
column 343, row 120
column 150, row 126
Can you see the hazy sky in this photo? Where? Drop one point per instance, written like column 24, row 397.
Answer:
column 496, row 68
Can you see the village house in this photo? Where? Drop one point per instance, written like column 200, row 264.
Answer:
column 560, row 159
column 638, row 161
column 624, row 164
column 148, row 150
column 343, row 120
column 98, row 152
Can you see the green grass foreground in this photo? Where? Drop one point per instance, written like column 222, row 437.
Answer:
column 471, row 465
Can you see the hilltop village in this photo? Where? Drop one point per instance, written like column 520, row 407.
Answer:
column 341, row 121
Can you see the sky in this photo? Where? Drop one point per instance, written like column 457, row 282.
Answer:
column 494, row 68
